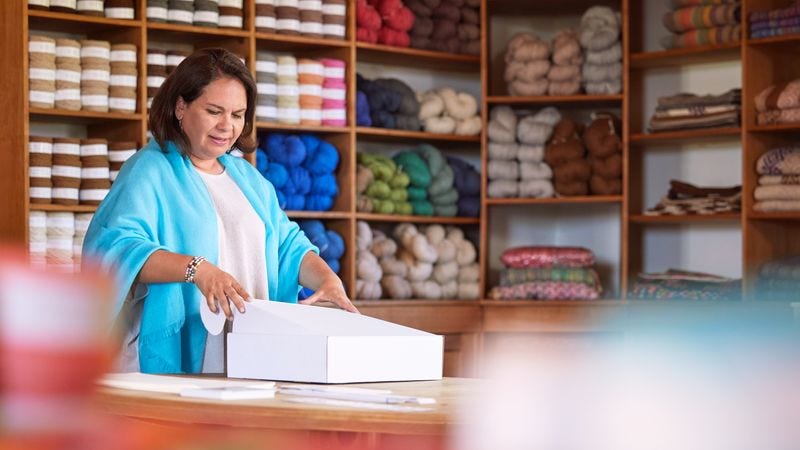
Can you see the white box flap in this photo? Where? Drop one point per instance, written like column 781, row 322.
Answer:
column 269, row 317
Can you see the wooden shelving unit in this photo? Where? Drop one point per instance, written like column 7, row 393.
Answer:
column 687, row 218
column 554, row 99
column 388, row 135
column 685, row 135
column 64, row 208
column 397, row 218
column 685, row 56
column 555, row 200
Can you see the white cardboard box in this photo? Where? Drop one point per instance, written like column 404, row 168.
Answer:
column 293, row 342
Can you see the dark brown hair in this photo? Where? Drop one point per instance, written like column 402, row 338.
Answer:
column 188, row 81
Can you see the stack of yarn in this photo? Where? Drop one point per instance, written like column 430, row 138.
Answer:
column 467, row 182
column 160, row 63
column 604, row 145
column 330, row 244
column 206, row 13
column 390, row 104
column 779, row 103
column 687, row 199
column 66, row 171
column 334, row 93
column 776, row 22
column 451, row 26
column 381, row 186
column 56, row 240
column 447, row 111
column 565, row 156
column 267, row 87
column 203, row 13
column 564, row 75
column 334, row 18
column 690, row 111
column 695, row 23
column 310, row 77
column 302, row 170
column 779, row 180
column 527, row 65
column 42, row 71
column 516, row 153
column 95, row 74
column 123, row 80
column 157, row 10
column 174, row 58
column 778, row 280
column 287, row 90
column 599, row 37
column 68, row 74
column 113, row 9
column 547, row 273
column 430, row 263
column 431, row 191
column 384, row 21
column 684, row 285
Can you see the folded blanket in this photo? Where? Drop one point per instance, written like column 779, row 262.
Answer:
column 704, row 206
column 780, row 161
column 706, row 16
column 544, row 290
column 694, row 111
column 766, row 180
column 775, row 116
column 779, row 96
column 684, row 285
column 704, row 36
column 688, row 100
column 682, row 123
column 776, row 13
column 777, row 206
column 541, row 257
column 588, row 276
column 777, row 192
column 759, row 25
column 778, row 31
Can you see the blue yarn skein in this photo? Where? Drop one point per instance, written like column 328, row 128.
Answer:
column 290, row 152
column 311, row 143
column 324, row 185
column 324, row 160
column 315, row 232
column 304, row 293
column 277, row 175
column 319, row 202
column 261, row 160
column 335, row 248
column 295, row 202
column 281, row 199
column 301, row 180
column 334, row 265
column 363, row 118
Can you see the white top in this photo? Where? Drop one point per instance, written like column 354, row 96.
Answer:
column 241, row 251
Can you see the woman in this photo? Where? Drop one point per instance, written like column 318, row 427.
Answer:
column 187, row 222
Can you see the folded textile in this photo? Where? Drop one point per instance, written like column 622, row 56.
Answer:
column 778, row 31
column 542, row 257
column 704, row 36
column 774, row 116
column 777, row 205
column 684, row 285
column 683, row 190
column 586, row 276
column 758, row 25
column 703, row 205
column 766, row 180
column 779, row 96
column 544, row 290
column 688, row 100
column 694, row 111
column 682, row 123
column 779, row 161
column 777, row 192
column 706, row 16
column 781, row 13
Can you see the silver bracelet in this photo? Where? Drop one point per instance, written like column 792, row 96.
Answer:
column 191, row 269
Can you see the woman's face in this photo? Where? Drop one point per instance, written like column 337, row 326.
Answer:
column 214, row 121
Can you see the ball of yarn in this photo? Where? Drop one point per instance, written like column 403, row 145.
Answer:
column 295, row 202
column 363, row 235
column 277, row 174
column 301, row 180
column 367, row 16
column 335, row 249
column 600, row 28
column 502, row 188
column 287, row 150
column 324, row 185
column 319, row 202
column 459, row 105
column 430, row 104
column 368, row 268
column 415, row 167
column 315, row 232
column 261, row 160
column 469, row 127
column 502, row 125
column 440, row 125
column 323, row 159
column 536, row 188
column 363, row 118
column 368, row 290
column 396, row 287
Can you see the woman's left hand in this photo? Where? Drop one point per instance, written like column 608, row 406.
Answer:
column 331, row 290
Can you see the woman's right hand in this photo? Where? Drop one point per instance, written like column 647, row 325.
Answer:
column 219, row 288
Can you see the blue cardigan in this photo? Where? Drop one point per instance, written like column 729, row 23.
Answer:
column 159, row 202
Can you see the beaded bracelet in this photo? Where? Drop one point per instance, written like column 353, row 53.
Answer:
column 191, row 269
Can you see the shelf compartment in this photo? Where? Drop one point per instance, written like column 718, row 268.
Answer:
column 183, row 30
column 67, row 22
column 83, row 117
column 397, row 218
column 289, row 42
column 321, row 215
column 685, row 56
column 384, row 134
column 554, row 99
column 63, row 208
column 282, row 127
column 406, row 56
column 554, row 200
column 783, row 215
column 687, row 218
column 788, row 39
column 685, row 135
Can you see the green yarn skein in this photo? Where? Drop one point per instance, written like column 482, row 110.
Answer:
column 447, row 198
column 434, row 158
column 422, row 207
column 446, row 211
column 417, row 193
column 403, row 208
column 379, row 190
column 382, row 167
column 442, row 182
column 399, row 180
column 415, row 167
column 383, row 206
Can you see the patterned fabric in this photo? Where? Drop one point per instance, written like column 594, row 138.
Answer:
column 545, row 257
column 774, row 116
column 658, row 124
column 766, row 180
column 510, row 277
column 544, row 290
column 781, row 13
column 779, row 96
column 687, row 100
column 683, row 285
column 760, row 25
column 693, row 111
column 707, row 16
column 704, row 206
column 704, row 36
column 780, row 161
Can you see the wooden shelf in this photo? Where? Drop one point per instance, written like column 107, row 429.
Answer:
column 778, row 127
column 274, row 126
column 322, row 215
column 285, row 41
column 406, row 56
column 550, row 303
column 58, row 21
column 63, row 115
column 687, row 218
column 554, row 99
column 685, row 135
column 384, row 134
column 170, row 28
column 63, row 208
column 413, row 302
column 775, row 40
column 546, row 8
column 397, row 218
column 783, row 215
column 554, row 200
column 685, row 56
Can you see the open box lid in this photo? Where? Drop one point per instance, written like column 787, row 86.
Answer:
column 271, row 317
